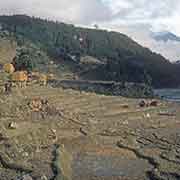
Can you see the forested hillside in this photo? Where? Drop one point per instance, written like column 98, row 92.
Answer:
column 123, row 59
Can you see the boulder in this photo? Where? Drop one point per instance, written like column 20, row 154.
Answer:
column 154, row 103
column 12, row 125
column 125, row 106
column 43, row 178
column 142, row 103
column 27, row 177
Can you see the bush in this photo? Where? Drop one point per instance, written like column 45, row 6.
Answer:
column 24, row 60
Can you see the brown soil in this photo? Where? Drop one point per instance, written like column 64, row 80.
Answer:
column 101, row 139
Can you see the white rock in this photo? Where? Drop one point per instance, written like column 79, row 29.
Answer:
column 25, row 154
column 125, row 122
column 44, row 178
column 13, row 125
column 27, row 177
column 148, row 115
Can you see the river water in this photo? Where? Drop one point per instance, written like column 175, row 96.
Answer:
column 168, row 94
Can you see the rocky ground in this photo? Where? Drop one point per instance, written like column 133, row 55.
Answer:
column 54, row 134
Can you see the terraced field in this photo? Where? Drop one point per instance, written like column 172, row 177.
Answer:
column 85, row 136
column 7, row 50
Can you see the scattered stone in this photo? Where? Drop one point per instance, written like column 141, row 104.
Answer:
column 44, row 102
column 154, row 103
column 148, row 115
column 51, row 62
column 125, row 106
column 25, row 154
column 125, row 122
column 20, row 150
column 8, row 88
column 155, row 126
column 83, row 131
column 36, row 104
column 27, row 177
column 53, row 131
column 167, row 113
column 43, row 178
column 142, row 103
column 3, row 137
column 43, row 106
column 92, row 115
column 12, row 125
column 53, row 135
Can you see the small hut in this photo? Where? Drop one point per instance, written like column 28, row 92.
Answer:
column 9, row 68
column 33, row 77
column 43, row 79
column 19, row 77
column 50, row 77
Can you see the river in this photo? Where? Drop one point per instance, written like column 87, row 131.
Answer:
column 168, row 94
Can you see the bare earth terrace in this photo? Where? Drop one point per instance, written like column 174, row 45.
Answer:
column 59, row 134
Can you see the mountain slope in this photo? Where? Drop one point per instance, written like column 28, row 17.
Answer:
column 123, row 59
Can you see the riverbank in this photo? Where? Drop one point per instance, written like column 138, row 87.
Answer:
column 172, row 95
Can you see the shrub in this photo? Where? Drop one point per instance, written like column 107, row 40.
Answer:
column 24, row 60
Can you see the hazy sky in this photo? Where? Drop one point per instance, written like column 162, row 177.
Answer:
column 128, row 16
column 160, row 14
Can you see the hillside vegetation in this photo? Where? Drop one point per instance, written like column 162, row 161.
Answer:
column 122, row 58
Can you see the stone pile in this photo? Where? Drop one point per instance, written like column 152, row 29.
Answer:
column 43, row 106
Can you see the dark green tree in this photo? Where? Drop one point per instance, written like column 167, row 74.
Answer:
column 147, row 79
column 24, row 60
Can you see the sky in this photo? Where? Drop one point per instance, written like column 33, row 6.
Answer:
column 136, row 18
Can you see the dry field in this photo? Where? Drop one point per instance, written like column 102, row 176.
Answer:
column 55, row 134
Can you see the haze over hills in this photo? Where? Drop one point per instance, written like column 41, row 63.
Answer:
column 164, row 42
column 165, row 36
column 123, row 59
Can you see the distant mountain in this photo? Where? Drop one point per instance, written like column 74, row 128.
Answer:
column 165, row 36
column 177, row 62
